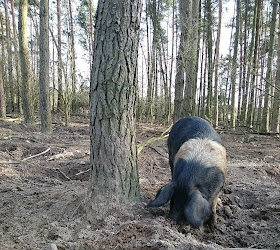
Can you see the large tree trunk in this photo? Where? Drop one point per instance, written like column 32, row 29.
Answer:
column 28, row 109
column 44, row 77
column 114, row 173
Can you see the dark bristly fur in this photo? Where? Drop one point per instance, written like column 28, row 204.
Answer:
column 197, row 160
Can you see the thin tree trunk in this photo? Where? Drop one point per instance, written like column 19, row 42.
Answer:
column 90, row 33
column 189, row 28
column 179, row 86
column 210, row 60
column 150, row 71
column 204, row 84
column 268, row 79
column 12, row 100
column 251, row 106
column 275, row 119
column 2, row 91
column 234, row 66
column 28, row 108
column 240, row 83
column 72, row 61
column 164, row 72
column 246, row 59
column 44, row 78
column 16, row 60
column 53, row 80
column 59, row 59
column 217, row 58
column 185, row 10
column 172, row 60
column 2, row 94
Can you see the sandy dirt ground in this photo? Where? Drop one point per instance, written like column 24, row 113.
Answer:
column 44, row 185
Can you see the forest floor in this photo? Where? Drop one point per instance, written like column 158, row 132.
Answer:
column 42, row 195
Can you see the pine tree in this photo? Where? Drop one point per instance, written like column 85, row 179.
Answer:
column 114, row 173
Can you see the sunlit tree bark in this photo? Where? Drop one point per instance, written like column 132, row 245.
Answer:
column 28, row 108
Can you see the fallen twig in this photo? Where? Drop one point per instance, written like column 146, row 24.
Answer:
column 9, row 162
column 68, row 178
column 33, row 156
column 159, row 152
column 82, row 172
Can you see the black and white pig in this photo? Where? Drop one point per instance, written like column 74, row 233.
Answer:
column 197, row 160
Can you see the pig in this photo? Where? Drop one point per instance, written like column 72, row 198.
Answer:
column 197, row 159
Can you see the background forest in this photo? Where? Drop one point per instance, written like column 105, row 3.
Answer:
column 46, row 54
column 87, row 185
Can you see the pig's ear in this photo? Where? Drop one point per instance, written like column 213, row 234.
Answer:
column 163, row 195
column 197, row 210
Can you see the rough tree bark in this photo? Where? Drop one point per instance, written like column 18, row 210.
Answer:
column 44, row 78
column 114, row 172
column 28, row 109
